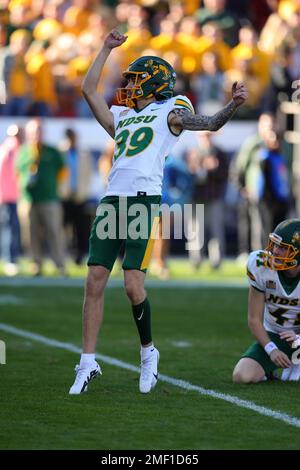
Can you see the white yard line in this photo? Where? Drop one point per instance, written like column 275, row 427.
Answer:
column 113, row 283
column 11, row 300
column 278, row 415
column 181, row 344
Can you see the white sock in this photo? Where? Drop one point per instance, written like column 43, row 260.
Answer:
column 87, row 359
column 145, row 352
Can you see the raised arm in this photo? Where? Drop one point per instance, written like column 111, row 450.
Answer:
column 180, row 119
column 89, row 85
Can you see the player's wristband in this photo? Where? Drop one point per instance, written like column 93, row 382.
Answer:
column 269, row 347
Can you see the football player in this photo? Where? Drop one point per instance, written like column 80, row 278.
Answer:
column 145, row 127
column 273, row 308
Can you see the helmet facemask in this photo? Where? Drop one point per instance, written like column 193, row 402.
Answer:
column 128, row 96
column 280, row 263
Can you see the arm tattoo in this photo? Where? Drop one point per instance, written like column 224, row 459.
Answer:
column 196, row 122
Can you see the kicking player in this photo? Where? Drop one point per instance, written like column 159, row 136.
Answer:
column 273, row 308
column 145, row 127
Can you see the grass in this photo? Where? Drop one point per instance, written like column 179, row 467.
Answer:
column 180, row 268
column 37, row 413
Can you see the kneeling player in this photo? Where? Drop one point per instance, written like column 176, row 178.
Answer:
column 273, row 307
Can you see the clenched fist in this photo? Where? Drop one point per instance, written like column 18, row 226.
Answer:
column 114, row 39
column 239, row 93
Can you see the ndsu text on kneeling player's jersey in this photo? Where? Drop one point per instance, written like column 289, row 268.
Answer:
column 282, row 309
column 143, row 140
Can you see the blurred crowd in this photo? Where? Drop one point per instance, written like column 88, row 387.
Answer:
column 45, row 194
column 46, row 47
column 48, row 195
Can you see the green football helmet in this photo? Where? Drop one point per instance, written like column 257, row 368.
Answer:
column 151, row 76
column 287, row 236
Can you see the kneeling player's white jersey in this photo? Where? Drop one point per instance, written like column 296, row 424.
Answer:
column 143, row 140
column 282, row 302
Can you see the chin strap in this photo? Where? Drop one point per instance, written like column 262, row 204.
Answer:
column 280, row 265
column 284, row 266
column 292, row 264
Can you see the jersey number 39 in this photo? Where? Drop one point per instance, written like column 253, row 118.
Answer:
column 137, row 142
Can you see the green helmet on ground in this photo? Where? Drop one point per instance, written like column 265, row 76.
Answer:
column 150, row 76
column 287, row 236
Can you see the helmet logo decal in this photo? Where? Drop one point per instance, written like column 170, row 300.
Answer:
column 166, row 72
column 296, row 237
column 149, row 63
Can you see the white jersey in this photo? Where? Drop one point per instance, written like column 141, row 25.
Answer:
column 282, row 301
column 143, row 140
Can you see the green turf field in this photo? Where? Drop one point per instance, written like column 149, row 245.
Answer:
column 200, row 334
column 180, row 268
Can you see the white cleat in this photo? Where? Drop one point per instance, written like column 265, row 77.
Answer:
column 83, row 378
column 149, row 372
